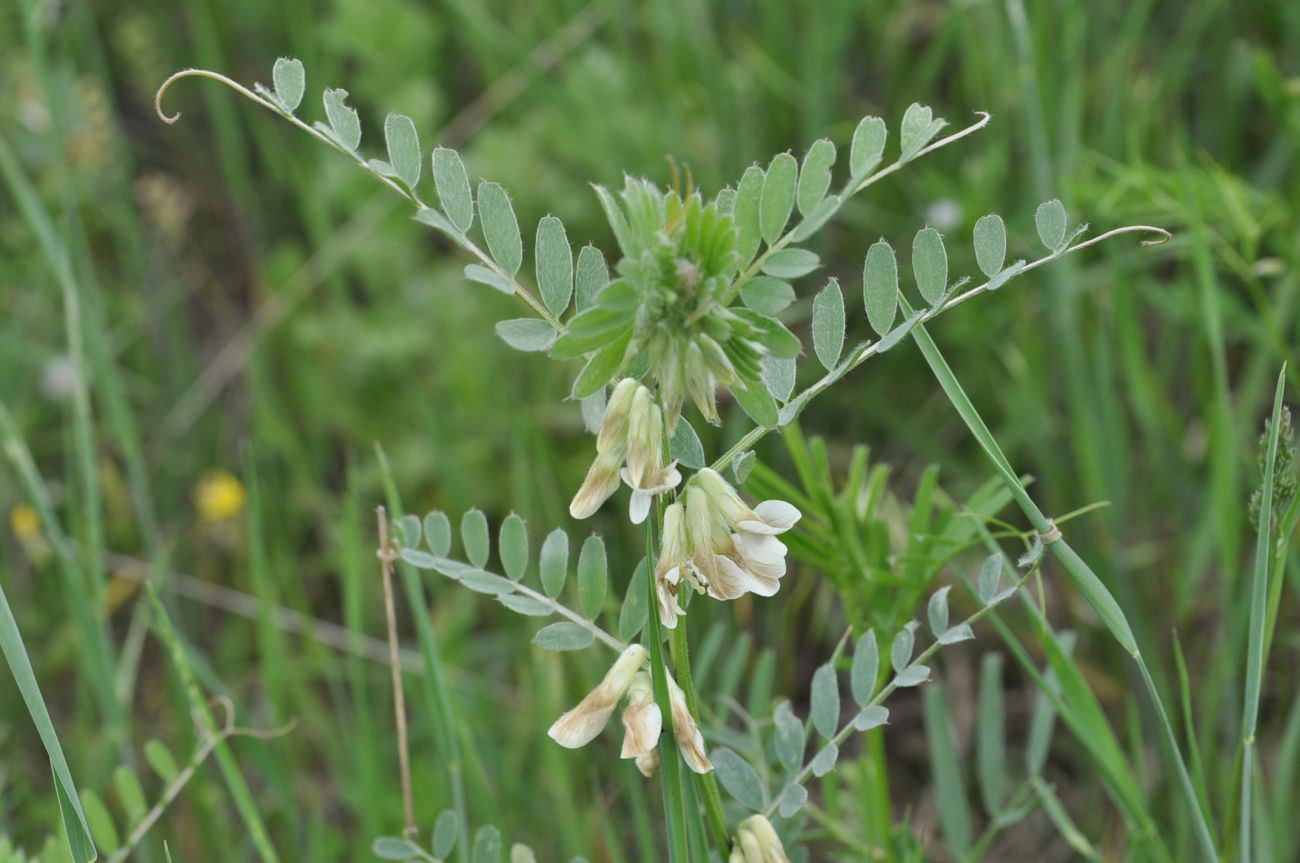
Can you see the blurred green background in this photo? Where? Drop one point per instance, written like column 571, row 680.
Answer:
column 253, row 305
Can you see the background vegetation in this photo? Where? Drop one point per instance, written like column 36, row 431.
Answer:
column 255, row 314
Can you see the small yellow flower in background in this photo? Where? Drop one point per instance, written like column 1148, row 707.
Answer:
column 219, row 496
column 24, row 522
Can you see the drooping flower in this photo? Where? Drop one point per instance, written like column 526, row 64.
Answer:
column 642, row 719
column 579, row 726
column 674, row 555
column 734, row 548
column 757, row 842
column 687, row 734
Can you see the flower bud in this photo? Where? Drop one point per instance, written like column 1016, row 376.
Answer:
column 687, row 734
column 700, row 384
column 758, row 839
column 644, row 439
column 601, row 482
column 580, row 725
column 613, row 428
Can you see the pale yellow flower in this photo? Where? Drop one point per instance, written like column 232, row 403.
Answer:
column 579, row 726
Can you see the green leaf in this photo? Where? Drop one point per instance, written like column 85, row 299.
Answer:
column 437, row 533
column 900, row 653
column 815, row 175
column 766, row 295
column 938, row 611
column 812, row 223
column 930, row 265
column 745, row 213
column 474, row 536
column 130, row 794
column 591, row 278
column 487, row 845
column 482, row 275
column 446, row 830
column 960, row 632
column 290, row 80
column 593, row 575
column 602, row 366
column 101, row 822
column 394, row 848
column 913, row 675
column 779, row 375
column 990, row 244
column 160, row 759
column 526, row 334
column 344, row 122
column 866, row 667
column 778, row 196
column 553, row 562
column 512, row 546
column 75, row 828
column 738, row 777
column 868, row 146
column 564, row 635
column 880, row 286
column 486, row 582
column 403, row 148
column 685, row 446
column 744, row 463
column 990, row 735
column 419, row 559
column 500, row 227
column 526, row 605
column 824, row 761
column 451, row 181
column 790, row 263
column 828, row 324
column 757, row 402
column 945, row 767
column 789, row 738
column 591, row 330
column 554, row 265
column 773, row 334
column 917, row 129
column 632, row 618
column 825, row 701
column 593, row 411
column 871, row 717
column 990, row 576
column 1049, row 218
column 408, row 530
column 796, row 796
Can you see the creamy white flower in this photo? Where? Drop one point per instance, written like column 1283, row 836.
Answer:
column 642, row 719
column 758, row 843
column 601, row 482
column 648, row 762
column 638, row 506
column 734, row 547
column 613, row 426
column 579, row 726
column 674, row 555
column 687, row 734
column 632, row 434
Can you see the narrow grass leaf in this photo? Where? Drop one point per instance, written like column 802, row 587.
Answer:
column 554, row 264
column 868, row 146
column 290, row 80
column 880, row 286
column 593, row 576
column 945, row 767
column 512, row 546
column 500, row 227
column 451, row 181
column 553, row 562
column 403, row 148
column 343, row 120
column 828, row 324
column 777, row 201
column 990, row 736
column 815, row 175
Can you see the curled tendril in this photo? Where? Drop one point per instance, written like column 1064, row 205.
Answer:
column 169, row 119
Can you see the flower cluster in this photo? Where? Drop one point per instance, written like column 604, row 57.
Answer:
column 630, row 446
column 642, row 719
column 757, row 842
column 714, row 541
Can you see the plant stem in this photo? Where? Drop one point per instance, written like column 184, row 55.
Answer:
column 386, row 558
column 706, row 782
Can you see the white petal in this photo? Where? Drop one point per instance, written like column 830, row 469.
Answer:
column 580, row 725
column 764, row 555
column 731, row 581
column 639, row 506
column 775, row 516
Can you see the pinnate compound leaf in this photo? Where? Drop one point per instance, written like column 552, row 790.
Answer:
column 960, row 632
column 815, row 175
column 778, row 196
column 593, row 576
column 738, row 777
column 290, row 80
column 868, row 146
column 828, row 324
column 403, row 148
column 451, row 181
column 930, row 265
column 526, row 334
column 1049, row 218
column 512, row 546
column 553, row 562
column 500, row 227
column 990, row 244
column 554, row 265
column 564, row 635
column 343, row 120
column 880, row 286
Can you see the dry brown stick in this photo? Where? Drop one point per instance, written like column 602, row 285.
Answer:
column 386, row 557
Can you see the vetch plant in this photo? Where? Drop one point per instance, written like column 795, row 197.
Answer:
column 686, row 320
